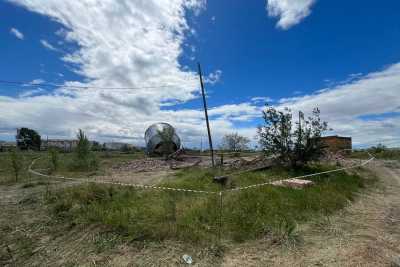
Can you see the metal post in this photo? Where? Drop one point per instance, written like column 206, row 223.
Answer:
column 206, row 114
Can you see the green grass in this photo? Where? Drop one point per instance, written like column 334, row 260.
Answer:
column 388, row 154
column 247, row 214
column 6, row 172
column 106, row 160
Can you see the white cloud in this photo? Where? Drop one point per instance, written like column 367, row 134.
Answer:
column 121, row 44
column 47, row 45
column 35, row 82
column 262, row 99
column 17, row 33
column 32, row 92
column 213, row 77
column 138, row 43
column 289, row 12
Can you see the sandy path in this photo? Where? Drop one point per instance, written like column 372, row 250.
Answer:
column 367, row 233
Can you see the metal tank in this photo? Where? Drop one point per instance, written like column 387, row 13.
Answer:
column 161, row 139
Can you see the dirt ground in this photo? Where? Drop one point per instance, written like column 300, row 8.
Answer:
column 366, row 233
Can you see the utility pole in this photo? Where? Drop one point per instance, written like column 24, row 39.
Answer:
column 206, row 114
column 300, row 124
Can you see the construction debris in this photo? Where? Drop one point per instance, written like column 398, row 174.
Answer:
column 157, row 164
column 293, row 183
column 242, row 164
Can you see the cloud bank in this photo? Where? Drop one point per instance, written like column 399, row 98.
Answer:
column 138, row 44
column 135, row 44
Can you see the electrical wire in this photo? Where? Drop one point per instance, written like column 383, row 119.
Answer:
column 29, row 84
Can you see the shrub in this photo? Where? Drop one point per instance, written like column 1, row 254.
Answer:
column 294, row 147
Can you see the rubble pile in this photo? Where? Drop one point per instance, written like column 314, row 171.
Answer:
column 243, row 164
column 331, row 156
column 156, row 164
column 142, row 165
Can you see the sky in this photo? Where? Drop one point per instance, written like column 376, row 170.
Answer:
column 112, row 68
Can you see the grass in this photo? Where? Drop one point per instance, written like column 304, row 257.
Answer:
column 387, row 154
column 6, row 171
column 106, row 160
column 248, row 214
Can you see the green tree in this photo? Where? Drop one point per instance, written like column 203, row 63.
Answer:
column 84, row 159
column 16, row 161
column 292, row 145
column 28, row 139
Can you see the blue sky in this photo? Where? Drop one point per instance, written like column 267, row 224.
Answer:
column 342, row 56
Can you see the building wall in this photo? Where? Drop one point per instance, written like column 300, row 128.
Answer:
column 336, row 143
column 65, row 145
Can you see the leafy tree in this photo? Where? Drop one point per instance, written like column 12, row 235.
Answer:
column 28, row 139
column 292, row 145
column 84, row 158
column 235, row 142
column 16, row 161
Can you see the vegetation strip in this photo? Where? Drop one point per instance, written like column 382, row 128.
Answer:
column 191, row 190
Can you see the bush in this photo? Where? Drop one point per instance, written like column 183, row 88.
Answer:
column 292, row 147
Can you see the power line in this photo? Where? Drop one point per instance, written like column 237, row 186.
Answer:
column 29, row 84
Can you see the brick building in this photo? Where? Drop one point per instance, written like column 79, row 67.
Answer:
column 336, row 143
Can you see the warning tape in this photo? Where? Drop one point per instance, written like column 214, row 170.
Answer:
column 182, row 189
column 116, row 183
column 306, row 175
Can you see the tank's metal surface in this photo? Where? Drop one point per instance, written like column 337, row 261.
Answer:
column 161, row 138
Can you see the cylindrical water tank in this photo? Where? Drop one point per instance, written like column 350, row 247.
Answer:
column 161, row 139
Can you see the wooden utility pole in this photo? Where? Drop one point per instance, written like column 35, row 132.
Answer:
column 206, row 114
